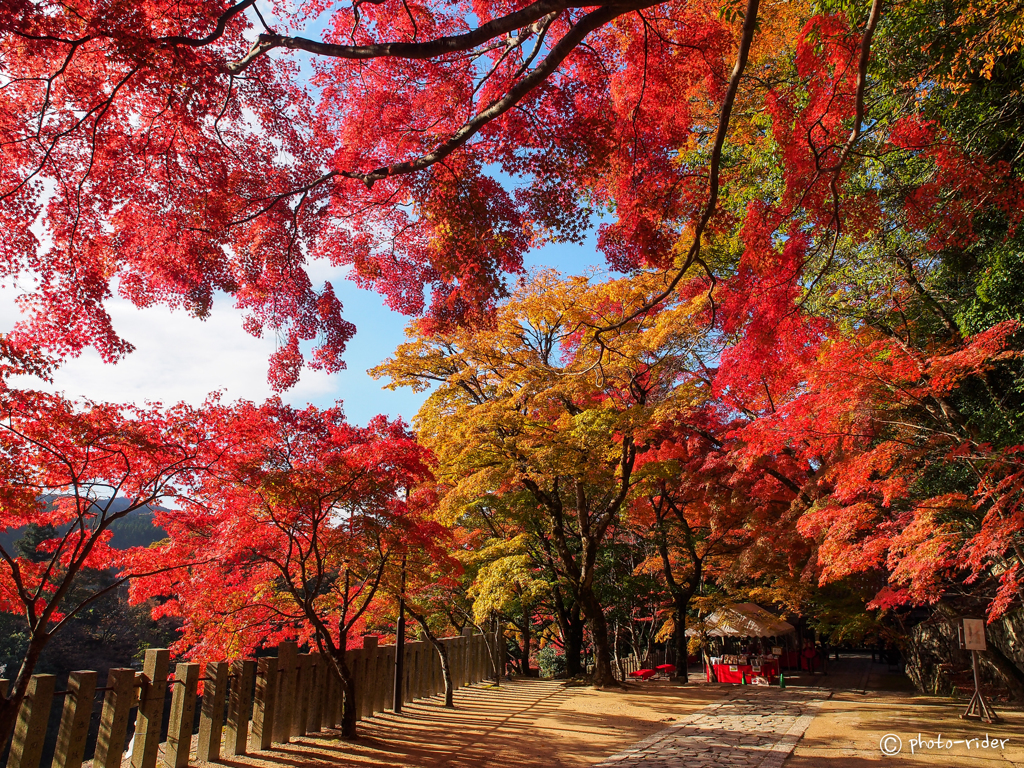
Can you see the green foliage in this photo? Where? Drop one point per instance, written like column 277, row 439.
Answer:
column 551, row 662
column 998, row 289
column 28, row 546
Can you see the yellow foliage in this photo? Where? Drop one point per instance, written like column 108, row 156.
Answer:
column 541, row 398
column 539, row 392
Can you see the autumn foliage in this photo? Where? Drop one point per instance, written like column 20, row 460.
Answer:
column 801, row 377
column 69, row 471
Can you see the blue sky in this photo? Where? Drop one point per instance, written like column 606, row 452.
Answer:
column 380, row 330
column 181, row 358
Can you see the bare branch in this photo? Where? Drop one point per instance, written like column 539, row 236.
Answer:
column 428, row 49
column 746, row 37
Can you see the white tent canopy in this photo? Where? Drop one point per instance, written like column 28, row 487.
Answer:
column 743, row 620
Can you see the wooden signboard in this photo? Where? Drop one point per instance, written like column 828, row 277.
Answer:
column 974, row 634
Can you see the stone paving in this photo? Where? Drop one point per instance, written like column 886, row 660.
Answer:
column 751, row 727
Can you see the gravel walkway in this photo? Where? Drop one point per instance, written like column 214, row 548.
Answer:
column 751, row 728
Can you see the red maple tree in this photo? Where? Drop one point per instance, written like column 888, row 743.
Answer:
column 299, row 532
column 71, row 470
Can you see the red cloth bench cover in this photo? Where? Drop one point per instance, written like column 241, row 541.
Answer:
column 643, row 674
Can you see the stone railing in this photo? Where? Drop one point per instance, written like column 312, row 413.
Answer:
column 245, row 706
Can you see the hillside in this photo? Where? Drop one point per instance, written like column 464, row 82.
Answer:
column 135, row 529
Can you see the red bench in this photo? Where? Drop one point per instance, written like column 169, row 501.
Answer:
column 643, row 674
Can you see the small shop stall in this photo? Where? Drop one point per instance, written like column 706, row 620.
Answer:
column 757, row 663
column 761, row 669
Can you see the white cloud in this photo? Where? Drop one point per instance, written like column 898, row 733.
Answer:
column 181, row 358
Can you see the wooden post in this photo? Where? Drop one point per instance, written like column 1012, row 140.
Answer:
column 457, row 661
column 316, row 693
column 151, row 708
column 30, row 730
column 117, row 705
column 474, row 644
column 421, row 662
column 485, row 658
column 453, row 661
column 331, row 684
column 330, row 691
column 470, row 655
column 287, row 673
column 430, row 679
column 426, row 669
column 303, row 690
column 239, row 707
column 451, row 644
column 211, row 719
column 438, row 675
column 426, row 661
column 426, row 666
column 263, row 711
column 411, row 654
column 389, row 686
column 379, row 680
column 4, row 685
column 431, row 671
column 183, row 715
column 481, row 644
column 499, row 652
column 74, row 720
column 368, row 697
column 354, row 658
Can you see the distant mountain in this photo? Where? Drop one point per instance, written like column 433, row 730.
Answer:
column 136, row 529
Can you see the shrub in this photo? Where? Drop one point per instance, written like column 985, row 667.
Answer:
column 551, row 662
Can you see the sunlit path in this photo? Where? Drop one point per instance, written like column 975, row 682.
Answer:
column 751, row 728
column 537, row 723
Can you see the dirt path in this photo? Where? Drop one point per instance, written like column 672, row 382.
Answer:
column 849, row 728
column 532, row 723
column 541, row 724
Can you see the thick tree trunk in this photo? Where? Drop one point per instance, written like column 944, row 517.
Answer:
column 348, row 685
column 615, row 647
column 348, row 711
column 603, row 676
column 336, row 657
column 570, row 626
column 573, row 640
column 517, row 654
